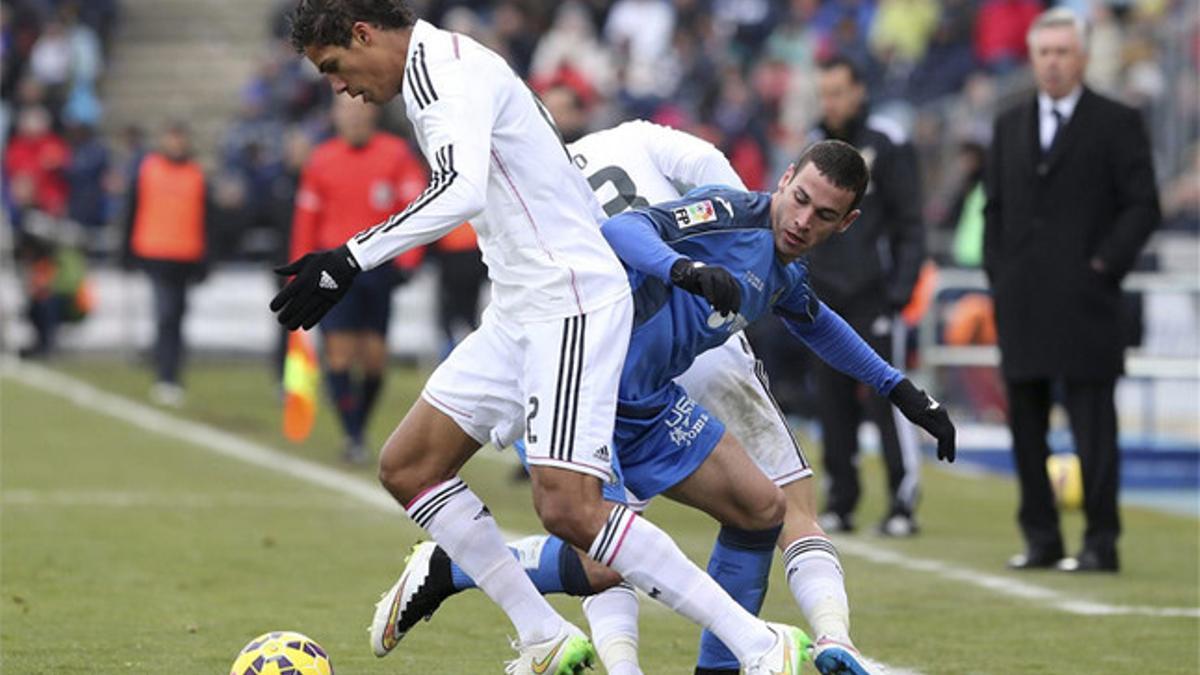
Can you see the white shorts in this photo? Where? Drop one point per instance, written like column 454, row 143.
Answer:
column 555, row 382
column 730, row 382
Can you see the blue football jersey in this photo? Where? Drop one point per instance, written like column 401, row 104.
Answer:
column 718, row 226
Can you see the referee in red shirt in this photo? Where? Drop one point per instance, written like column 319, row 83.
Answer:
column 361, row 176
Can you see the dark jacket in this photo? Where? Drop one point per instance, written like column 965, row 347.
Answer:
column 1092, row 195
column 873, row 266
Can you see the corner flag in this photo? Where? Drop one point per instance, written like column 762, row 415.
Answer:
column 301, row 375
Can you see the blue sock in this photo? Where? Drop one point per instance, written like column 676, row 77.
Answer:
column 551, row 563
column 741, row 564
column 368, row 393
column 342, row 393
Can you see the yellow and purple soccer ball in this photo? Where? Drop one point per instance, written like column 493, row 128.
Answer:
column 282, row 653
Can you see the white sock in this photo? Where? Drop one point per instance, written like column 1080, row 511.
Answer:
column 814, row 574
column 648, row 558
column 613, row 617
column 460, row 523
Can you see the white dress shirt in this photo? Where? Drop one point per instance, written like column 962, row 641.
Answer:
column 1047, row 126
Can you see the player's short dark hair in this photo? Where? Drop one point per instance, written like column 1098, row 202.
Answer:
column 841, row 163
column 840, row 61
column 318, row 23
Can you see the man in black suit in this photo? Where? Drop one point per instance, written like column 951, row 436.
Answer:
column 1071, row 201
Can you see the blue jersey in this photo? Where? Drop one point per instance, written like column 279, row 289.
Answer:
column 730, row 228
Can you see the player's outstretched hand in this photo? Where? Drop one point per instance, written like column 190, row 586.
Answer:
column 923, row 411
column 713, row 282
column 321, row 279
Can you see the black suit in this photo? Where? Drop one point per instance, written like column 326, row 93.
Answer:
column 1090, row 197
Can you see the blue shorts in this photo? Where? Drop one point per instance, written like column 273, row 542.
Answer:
column 663, row 440
column 367, row 306
column 658, row 445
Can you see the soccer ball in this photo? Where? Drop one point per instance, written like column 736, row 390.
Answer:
column 282, row 653
column 1066, row 479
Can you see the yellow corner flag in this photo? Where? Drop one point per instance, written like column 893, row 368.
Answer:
column 301, row 374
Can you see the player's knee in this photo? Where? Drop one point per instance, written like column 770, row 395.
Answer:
column 764, row 512
column 559, row 518
column 395, row 480
column 566, row 517
column 405, row 478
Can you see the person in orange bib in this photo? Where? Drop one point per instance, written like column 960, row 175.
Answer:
column 167, row 236
column 360, row 176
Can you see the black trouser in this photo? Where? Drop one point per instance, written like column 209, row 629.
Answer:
column 170, row 282
column 462, row 274
column 1092, row 412
column 841, row 403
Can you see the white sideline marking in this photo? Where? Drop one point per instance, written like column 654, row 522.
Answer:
column 1006, row 586
column 119, row 499
column 200, row 435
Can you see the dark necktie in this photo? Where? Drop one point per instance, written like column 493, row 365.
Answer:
column 1059, row 121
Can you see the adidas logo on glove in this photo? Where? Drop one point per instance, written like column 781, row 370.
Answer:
column 327, row 281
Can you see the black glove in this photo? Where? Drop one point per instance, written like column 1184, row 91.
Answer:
column 923, row 411
column 322, row 278
column 712, row 282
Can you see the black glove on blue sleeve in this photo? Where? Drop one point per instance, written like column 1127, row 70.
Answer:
column 923, row 411
column 712, row 282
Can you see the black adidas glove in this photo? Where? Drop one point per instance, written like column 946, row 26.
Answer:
column 321, row 279
column 923, row 411
column 712, row 282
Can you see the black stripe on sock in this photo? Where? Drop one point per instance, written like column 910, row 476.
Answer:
column 608, row 534
column 809, row 545
column 425, row 512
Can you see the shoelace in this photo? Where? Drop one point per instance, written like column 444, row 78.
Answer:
column 514, row 665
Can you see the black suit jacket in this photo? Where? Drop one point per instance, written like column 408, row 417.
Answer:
column 1092, row 195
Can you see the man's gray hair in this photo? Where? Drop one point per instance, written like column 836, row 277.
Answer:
column 1057, row 18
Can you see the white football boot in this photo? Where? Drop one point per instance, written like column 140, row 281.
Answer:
column 567, row 653
column 790, row 651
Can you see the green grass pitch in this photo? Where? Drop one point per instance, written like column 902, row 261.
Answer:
column 129, row 551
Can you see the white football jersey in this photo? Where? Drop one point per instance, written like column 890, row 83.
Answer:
column 639, row 163
column 498, row 162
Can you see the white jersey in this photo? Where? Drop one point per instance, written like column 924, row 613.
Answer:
column 497, row 162
column 640, row 163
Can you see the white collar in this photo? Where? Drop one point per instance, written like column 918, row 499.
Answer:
column 1065, row 105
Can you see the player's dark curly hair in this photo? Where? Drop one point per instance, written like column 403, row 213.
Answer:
column 841, row 163
column 318, row 23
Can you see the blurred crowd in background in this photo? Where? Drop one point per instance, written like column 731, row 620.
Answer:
column 739, row 73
